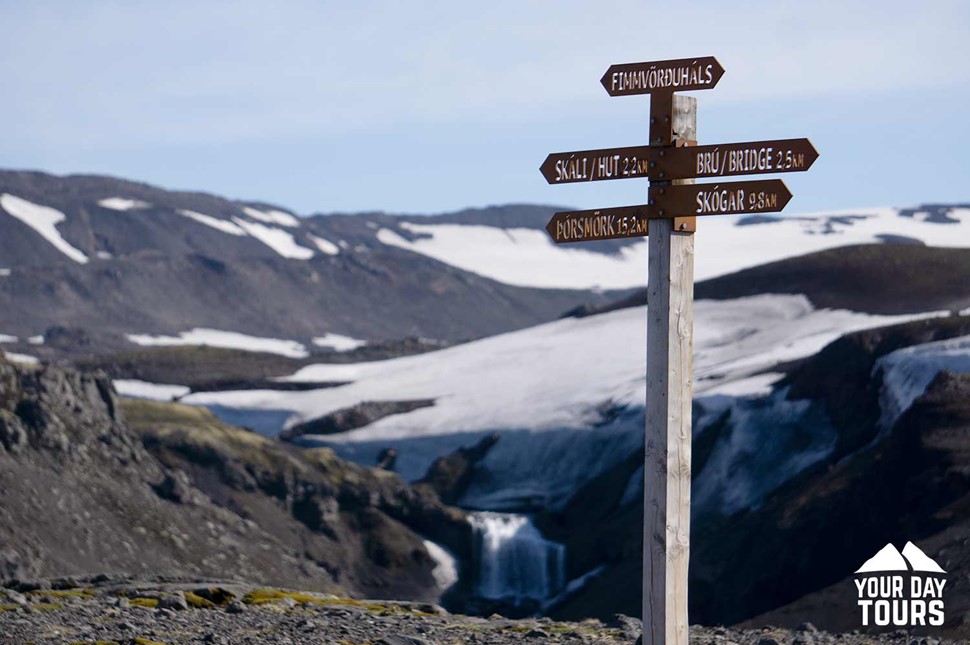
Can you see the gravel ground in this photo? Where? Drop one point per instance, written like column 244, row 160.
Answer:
column 229, row 613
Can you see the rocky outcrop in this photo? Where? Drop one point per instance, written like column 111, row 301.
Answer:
column 841, row 375
column 357, row 416
column 450, row 475
column 93, row 483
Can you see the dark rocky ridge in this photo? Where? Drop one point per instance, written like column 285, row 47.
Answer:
column 202, row 368
column 357, row 416
column 92, row 483
column 873, row 278
column 925, row 472
column 168, row 273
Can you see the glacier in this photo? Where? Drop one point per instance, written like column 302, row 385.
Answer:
column 567, row 398
column 907, row 372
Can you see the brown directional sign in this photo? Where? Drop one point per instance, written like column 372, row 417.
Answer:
column 601, row 224
column 680, row 75
column 597, row 165
column 764, row 196
column 731, row 159
column 667, row 162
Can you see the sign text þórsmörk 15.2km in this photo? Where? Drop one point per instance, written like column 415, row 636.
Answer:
column 600, row 224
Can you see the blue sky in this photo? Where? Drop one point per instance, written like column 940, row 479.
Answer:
column 433, row 106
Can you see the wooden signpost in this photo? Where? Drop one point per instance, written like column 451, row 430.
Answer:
column 671, row 162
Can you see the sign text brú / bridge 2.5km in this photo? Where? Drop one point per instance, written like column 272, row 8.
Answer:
column 655, row 162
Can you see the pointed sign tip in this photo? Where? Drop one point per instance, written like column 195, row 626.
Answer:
column 551, row 226
column 605, row 82
column 784, row 194
column 546, row 168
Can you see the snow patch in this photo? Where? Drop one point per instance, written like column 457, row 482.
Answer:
column 123, row 204
column 325, row 246
column 445, row 571
column 6, row 338
column 339, row 342
column 103, row 255
column 526, row 257
column 44, row 220
column 213, row 222
column 26, row 359
column 272, row 216
column 4, row 273
column 225, row 339
column 523, row 257
column 907, row 372
column 36, row 340
column 503, row 381
column 136, row 389
column 275, row 238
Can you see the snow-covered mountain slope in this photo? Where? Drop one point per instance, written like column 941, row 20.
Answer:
column 524, row 256
column 98, row 261
column 567, row 396
column 109, row 258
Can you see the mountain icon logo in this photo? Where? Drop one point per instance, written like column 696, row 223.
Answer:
column 889, row 558
column 902, row 589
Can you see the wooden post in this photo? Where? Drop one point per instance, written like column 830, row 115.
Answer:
column 670, row 330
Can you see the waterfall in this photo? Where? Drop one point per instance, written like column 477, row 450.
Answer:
column 514, row 563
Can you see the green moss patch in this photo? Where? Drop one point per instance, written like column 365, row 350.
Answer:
column 197, row 601
column 266, row 596
column 47, row 606
column 63, row 593
column 150, row 603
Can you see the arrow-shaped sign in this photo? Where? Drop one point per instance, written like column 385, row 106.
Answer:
column 732, row 159
column 667, row 162
column 764, row 196
column 601, row 224
column 680, row 75
column 597, row 165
